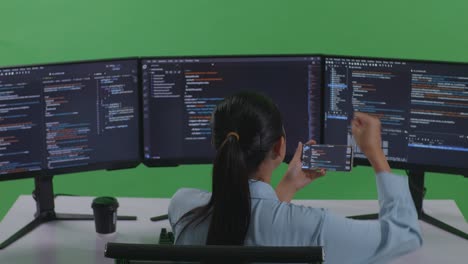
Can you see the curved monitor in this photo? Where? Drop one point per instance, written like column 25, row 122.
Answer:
column 422, row 105
column 180, row 93
column 68, row 117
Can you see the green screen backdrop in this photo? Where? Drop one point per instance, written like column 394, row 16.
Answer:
column 41, row 31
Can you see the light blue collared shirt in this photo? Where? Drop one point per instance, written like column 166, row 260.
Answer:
column 276, row 223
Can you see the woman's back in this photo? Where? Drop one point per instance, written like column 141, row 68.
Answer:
column 276, row 223
column 272, row 223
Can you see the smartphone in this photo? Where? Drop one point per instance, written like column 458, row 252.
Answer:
column 329, row 157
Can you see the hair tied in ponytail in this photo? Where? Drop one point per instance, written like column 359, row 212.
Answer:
column 232, row 134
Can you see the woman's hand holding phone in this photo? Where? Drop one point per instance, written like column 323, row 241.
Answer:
column 296, row 178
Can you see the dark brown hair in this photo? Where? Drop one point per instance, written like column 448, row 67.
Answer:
column 257, row 126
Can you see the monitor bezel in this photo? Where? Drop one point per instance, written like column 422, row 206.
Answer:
column 164, row 162
column 112, row 165
column 393, row 164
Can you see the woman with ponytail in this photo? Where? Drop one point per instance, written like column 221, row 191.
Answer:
column 244, row 209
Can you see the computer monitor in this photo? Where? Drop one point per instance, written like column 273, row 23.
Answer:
column 422, row 105
column 68, row 117
column 423, row 108
column 180, row 94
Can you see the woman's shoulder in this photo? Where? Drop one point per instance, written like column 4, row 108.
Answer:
column 183, row 192
column 185, row 199
column 190, row 195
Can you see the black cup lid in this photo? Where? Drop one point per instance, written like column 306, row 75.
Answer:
column 105, row 202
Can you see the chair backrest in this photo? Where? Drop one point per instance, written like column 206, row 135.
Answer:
column 124, row 253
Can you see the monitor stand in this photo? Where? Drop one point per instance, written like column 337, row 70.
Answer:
column 43, row 194
column 417, row 189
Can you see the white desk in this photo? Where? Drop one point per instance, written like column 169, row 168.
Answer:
column 77, row 242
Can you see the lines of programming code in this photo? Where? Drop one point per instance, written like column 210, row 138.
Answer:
column 160, row 88
column 69, row 115
column 113, row 110
column 329, row 157
column 422, row 107
column 82, row 105
column 199, row 108
column 20, row 107
column 337, row 87
column 439, row 112
column 67, row 139
column 314, row 94
column 367, row 99
column 181, row 94
column 362, row 86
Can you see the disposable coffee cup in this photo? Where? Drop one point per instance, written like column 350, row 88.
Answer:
column 105, row 214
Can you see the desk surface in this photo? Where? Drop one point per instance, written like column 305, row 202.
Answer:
column 77, row 241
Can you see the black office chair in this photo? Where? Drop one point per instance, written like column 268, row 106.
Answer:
column 149, row 253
